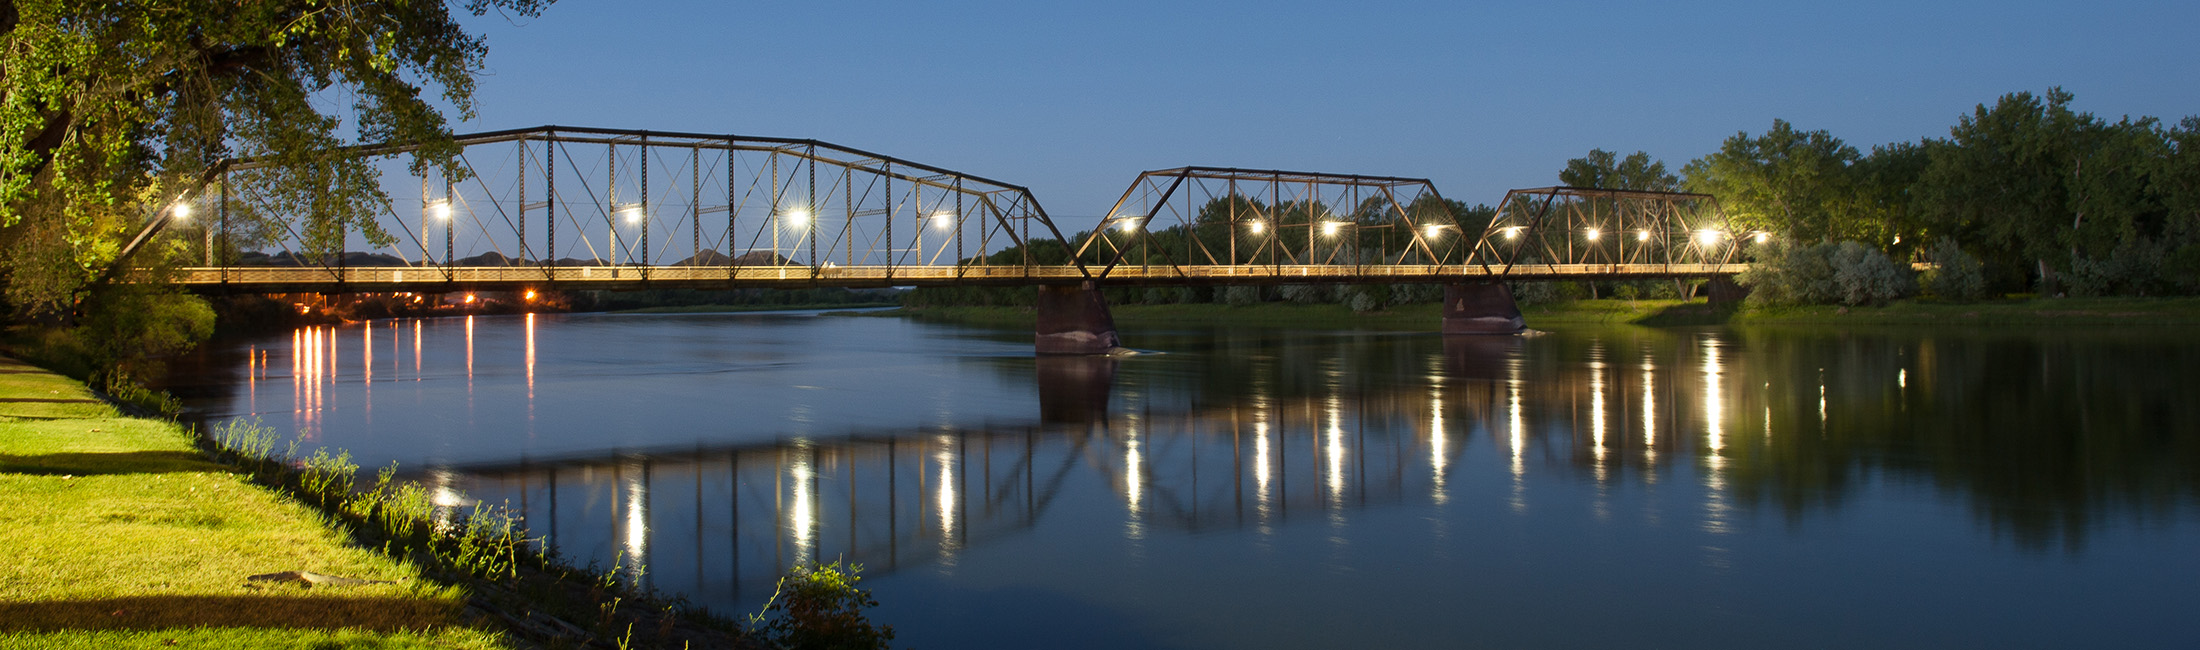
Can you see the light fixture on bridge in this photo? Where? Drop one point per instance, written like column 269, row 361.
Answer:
column 1642, row 235
column 796, row 218
column 181, row 212
column 1512, row 232
column 1257, row 226
column 1130, row 224
column 1329, row 228
column 632, row 212
column 1763, row 237
column 441, row 208
column 943, row 219
column 1708, row 237
column 1432, row 232
column 1593, row 234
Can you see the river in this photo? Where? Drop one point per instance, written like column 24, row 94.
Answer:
column 1247, row 487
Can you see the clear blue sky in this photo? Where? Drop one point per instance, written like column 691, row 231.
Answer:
column 1074, row 99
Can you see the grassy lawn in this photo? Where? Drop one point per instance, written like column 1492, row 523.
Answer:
column 119, row 534
column 2029, row 312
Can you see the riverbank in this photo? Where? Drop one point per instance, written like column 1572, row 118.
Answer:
column 2027, row 312
column 132, row 532
column 121, row 534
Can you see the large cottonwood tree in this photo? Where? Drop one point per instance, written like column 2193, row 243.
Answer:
column 110, row 109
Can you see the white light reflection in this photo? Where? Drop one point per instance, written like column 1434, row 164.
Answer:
column 1439, row 446
column 1713, row 408
column 949, row 543
column 469, row 352
column 637, row 518
column 1649, row 414
column 1334, row 450
column 1519, row 434
column 416, row 349
column 1597, row 428
column 802, row 519
column 1261, row 464
column 530, row 366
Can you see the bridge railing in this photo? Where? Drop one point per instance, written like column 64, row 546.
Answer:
column 493, row 278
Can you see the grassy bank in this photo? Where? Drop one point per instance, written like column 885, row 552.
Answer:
column 723, row 309
column 121, row 534
column 2015, row 312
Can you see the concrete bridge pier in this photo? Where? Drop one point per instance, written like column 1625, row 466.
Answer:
column 1481, row 308
column 1074, row 319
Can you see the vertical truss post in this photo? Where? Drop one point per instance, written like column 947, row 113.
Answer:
column 811, row 229
column 889, row 174
column 450, row 230
column 695, row 202
column 958, row 226
column 522, row 227
column 550, row 208
column 611, row 195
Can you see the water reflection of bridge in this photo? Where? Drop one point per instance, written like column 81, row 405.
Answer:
column 721, row 524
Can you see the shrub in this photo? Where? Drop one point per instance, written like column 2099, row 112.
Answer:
column 1240, row 296
column 1863, row 275
column 1307, row 294
column 1848, row 273
column 1364, row 298
column 2135, row 267
column 818, row 607
column 1956, row 275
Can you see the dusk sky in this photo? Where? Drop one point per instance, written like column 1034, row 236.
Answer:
column 1074, row 99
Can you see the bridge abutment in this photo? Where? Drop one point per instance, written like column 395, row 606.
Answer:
column 1074, row 319
column 1481, row 308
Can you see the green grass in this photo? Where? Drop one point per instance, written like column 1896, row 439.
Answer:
column 2032, row 311
column 722, row 309
column 120, row 534
column 1664, row 312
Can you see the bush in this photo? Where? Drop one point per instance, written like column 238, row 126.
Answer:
column 1848, row 273
column 1307, row 294
column 818, row 606
column 2134, row 268
column 1865, row 275
column 1364, row 298
column 1240, row 296
column 1956, row 275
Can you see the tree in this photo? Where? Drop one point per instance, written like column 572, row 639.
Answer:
column 1605, row 170
column 2036, row 180
column 109, row 111
column 1794, row 183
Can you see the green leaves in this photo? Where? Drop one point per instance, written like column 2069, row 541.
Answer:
column 108, row 109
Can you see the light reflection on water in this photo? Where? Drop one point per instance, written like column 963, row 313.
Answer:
column 1497, row 476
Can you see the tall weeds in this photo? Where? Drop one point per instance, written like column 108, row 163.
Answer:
column 483, row 541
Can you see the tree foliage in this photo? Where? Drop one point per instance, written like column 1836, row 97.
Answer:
column 109, row 110
column 1606, row 170
column 1794, row 182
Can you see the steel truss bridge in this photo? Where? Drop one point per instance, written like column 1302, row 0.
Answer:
column 580, row 208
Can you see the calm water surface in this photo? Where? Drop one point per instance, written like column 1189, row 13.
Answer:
column 1262, row 488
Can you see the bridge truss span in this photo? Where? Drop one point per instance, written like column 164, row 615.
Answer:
column 605, row 206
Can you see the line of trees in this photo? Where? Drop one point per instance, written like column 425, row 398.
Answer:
column 2025, row 194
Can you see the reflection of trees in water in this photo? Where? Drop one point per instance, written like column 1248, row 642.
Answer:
column 2047, row 436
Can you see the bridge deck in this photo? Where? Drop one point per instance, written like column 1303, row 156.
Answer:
column 265, row 279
